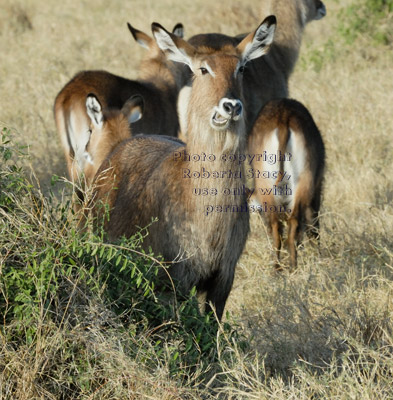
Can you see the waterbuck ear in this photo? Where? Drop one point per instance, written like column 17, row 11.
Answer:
column 141, row 38
column 175, row 48
column 178, row 30
column 257, row 43
column 94, row 110
column 133, row 108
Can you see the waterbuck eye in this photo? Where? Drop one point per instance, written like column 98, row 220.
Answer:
column 241, row 69
column 203, row 70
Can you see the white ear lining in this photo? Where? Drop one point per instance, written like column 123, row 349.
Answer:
column 94, row 111
column 179, row 32
column 260, row 44
column 164, row 41
column 142, row 43
column 166, row 44
column 135, row 115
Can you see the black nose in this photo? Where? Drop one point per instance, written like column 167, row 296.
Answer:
column 237, row 109
column 233, row 108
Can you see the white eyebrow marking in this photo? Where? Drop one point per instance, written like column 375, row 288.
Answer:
column 211, row 72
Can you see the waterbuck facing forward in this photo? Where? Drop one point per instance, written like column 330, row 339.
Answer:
column 143, row 178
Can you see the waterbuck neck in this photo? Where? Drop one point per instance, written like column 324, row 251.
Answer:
column 220, row 173
column 291, row 18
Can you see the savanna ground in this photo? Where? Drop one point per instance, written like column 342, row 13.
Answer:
column 76, row 315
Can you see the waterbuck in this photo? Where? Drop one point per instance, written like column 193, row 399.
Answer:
column 146, row 177
column 265, row 78
column 284, row 128
column 159, row 90
column 108, row 128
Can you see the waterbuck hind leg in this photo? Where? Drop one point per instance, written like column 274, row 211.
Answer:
column 293, row 225
column 312, row 224
column 313, row 232
column 275, row 226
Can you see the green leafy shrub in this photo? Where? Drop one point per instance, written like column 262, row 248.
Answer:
column 368, row 20
column 11, row 181
column 371, row 18
column 51, row 275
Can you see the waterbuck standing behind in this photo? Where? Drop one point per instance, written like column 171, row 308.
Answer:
column 144, row 178
column 285, row 128
column 159, row 90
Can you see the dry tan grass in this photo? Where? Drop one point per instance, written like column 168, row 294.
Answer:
column 339, row 300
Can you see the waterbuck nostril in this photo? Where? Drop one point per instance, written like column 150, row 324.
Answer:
column 228, row 108
column 237, row 109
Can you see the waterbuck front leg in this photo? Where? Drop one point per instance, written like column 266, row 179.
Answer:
column 218, row 289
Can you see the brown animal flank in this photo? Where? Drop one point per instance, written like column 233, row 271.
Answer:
column 286, row 128
column 148, row 173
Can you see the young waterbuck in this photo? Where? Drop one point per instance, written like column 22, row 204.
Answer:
column 108, row 127
column 149, row 177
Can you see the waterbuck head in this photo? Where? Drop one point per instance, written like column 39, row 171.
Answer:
column 148, row 42
column 216, row 99
column 154, row 64
column 313, row 10
column 108, row 128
